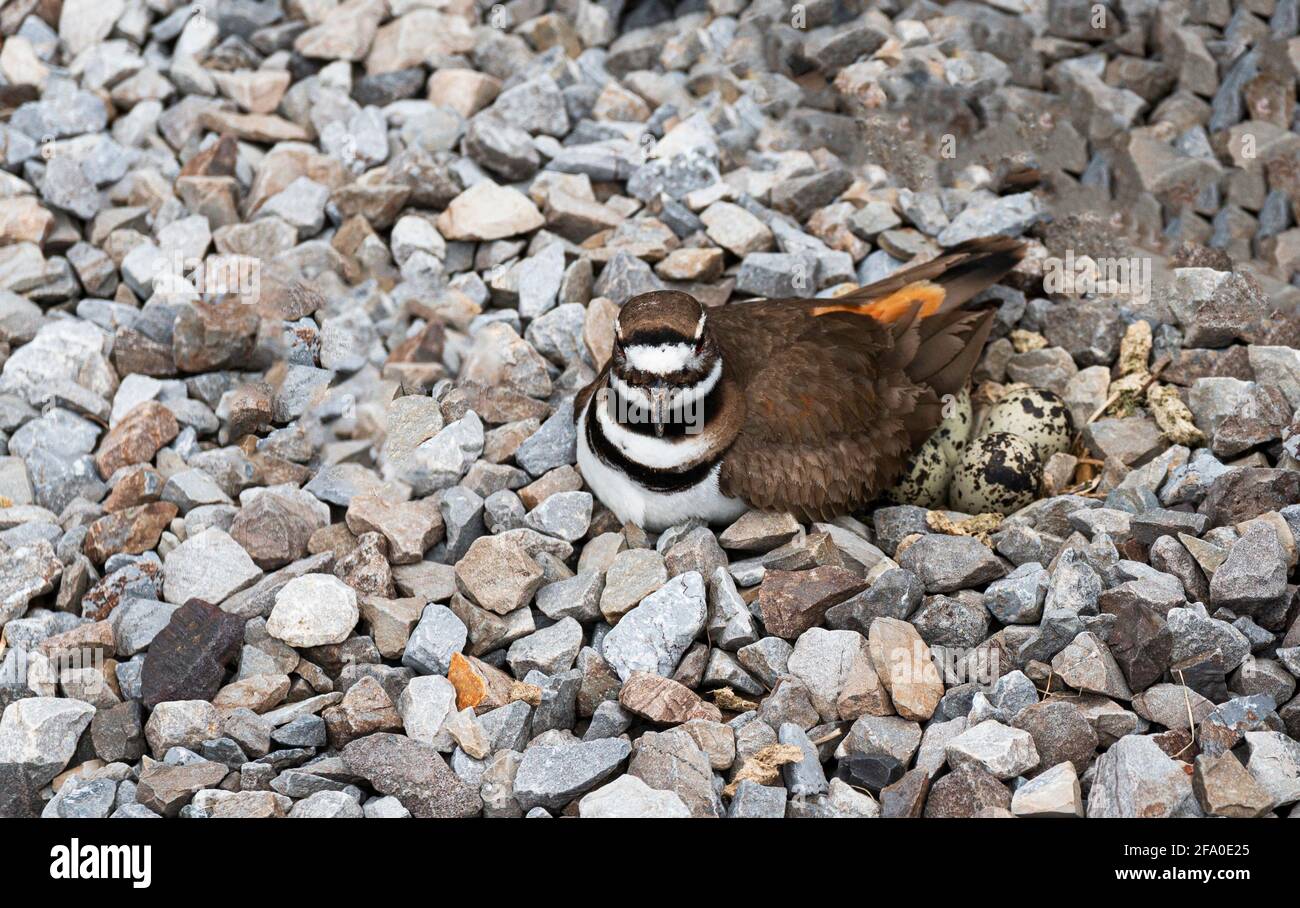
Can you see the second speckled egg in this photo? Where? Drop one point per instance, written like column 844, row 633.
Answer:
column 1037, row 415
column 998, row 472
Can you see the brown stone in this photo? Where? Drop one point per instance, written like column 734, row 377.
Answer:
column 478, row 685
column 463, row 90
column 273, row 529
column 165, row 788
column 96, row 639
column 137, row 438
column 217, row 160
column 135, row 353
column 965, row 792
column 24, row 220
column 250, row 411
column 1244, row 494
column 1061, row 733
column 210, row 336
column 794, row 601
column 1225, row 788
column 259, row 693
column 414, row 773
column 906, row 668
column 256, row 91
column 906, row 797
column 411, row 527
column 691, row 264
column 391, row 622
column 365, row 709
column 140, row 485
column 599, row 681
column 366, row 569
column 863, row 693
column 336, row 539
column 265, row 128
column 133, row 531
column 561, row 479
column 249, row 805
column 663, row 700
column 498, row 574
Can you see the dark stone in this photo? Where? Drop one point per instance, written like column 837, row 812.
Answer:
column 1204, row 673
column 383, row 89
column 189, row 657
column 872, row 772
column 1060, row 731
column 414, row 773
column 1240, row 495
column 966, row 792
column 118, row 733
column 1140, row 641
column 19, row 792
column 1150, row 525
column 896, row 594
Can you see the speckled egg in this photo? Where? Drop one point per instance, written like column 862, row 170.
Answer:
column 955, row 430
column 1037, row 415
column 998, row 472
column 925, row 482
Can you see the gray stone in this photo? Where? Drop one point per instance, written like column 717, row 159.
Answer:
column 949, row 563
column 655, row 635
column 1135, row 778
column 552, row 775
column 439, row 635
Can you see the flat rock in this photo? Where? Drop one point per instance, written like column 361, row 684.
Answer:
column 552, row 775
column 412, row 772
column 628, row 797
column 949, row 563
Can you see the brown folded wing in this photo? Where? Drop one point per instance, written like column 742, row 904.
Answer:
column 839, row 392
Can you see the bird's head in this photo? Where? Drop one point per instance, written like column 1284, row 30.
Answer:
column 665, row 360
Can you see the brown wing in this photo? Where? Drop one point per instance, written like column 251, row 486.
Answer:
column 826, row 427
column 839, row 392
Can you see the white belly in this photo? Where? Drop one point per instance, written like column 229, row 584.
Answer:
column 650, row 510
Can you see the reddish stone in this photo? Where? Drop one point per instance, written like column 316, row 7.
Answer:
column 794, row 601
column 133, row 531
column 137, row 438
column 663, row 700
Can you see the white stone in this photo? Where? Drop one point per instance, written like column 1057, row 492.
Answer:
column 1003, row 751
column 425, row 705
column 627, row 797
column 313, row 610
column 1055, row 793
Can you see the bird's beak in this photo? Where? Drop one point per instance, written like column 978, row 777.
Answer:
column 660, row 401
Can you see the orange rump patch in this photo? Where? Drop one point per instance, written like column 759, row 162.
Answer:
column 894, row 306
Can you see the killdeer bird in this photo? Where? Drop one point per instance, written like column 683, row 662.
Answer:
column 812, row 406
